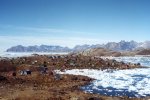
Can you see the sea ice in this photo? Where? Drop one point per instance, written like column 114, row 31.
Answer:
column 129, row 82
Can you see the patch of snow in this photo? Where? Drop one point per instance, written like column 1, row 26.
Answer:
column 116, row 83
column 129, row 82
column 143, row 60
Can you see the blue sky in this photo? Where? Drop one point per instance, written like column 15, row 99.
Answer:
column 71, row 22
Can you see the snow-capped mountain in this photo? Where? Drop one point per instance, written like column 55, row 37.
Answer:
column 115, row 46
column 41, row 48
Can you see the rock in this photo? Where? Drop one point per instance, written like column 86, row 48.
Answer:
column 94, row 98
column 74, row 78
column 74, row 98
column 2, row 78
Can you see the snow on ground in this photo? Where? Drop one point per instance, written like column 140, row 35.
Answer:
column 129, row 82
column 135, row 81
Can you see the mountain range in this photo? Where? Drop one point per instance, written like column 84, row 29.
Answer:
column 115, row 46
column 41, row 48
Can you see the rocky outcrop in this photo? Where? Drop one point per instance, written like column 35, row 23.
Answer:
column 106, row 52
column 143, row 52
column 99, row 52
column 140, row 51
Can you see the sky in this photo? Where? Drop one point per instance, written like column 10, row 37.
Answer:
column 72, row 22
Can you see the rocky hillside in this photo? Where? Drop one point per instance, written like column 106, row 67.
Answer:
column 143, row 52
column 99, row 52
column 107, row 52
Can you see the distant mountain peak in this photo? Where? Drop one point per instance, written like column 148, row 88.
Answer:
column 41, row 48
column 115, row 46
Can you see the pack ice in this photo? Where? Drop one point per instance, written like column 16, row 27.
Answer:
column 129, row 82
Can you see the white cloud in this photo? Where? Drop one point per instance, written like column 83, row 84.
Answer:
column 47, row 36
column 8, row 41
column 41, row 30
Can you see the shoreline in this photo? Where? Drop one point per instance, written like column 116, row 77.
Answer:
column 68, row 88
column 58, row 62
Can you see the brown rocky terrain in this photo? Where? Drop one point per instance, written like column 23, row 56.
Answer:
column 47, row 86
column 143, row 52
column 41, row 87
column 106, row 52
column 136, row 52
column 99, row 52
column 62, row 62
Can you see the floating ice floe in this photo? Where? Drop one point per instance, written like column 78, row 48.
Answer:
column 121, row 82
column 129, row 82
column 26, row 54
column 143, row 60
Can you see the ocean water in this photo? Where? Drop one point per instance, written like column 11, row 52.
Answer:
column 143, row 60
column 21, row 54
column 129, row 82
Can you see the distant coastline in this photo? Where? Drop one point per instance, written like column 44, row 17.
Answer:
column 21, row 54
column 115, row 46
